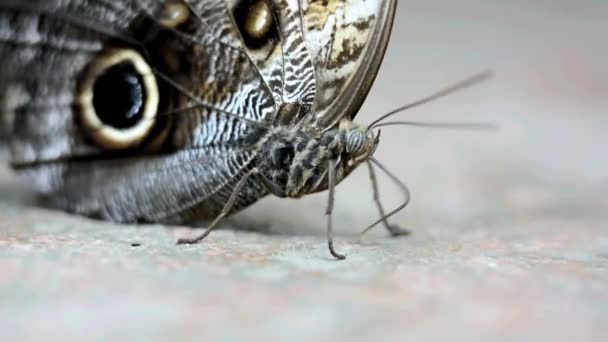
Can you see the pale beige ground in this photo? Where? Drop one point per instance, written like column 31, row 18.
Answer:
column 510, row 237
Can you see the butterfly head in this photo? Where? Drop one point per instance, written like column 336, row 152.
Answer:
column 360, row 142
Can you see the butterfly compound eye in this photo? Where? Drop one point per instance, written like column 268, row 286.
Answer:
column 283, row 156
column 118, row 99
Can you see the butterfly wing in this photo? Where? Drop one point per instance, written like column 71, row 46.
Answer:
column 218, row 79
column 46, row 48
column 348, row 39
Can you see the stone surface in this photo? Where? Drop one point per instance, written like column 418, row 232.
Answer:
column 510, row 238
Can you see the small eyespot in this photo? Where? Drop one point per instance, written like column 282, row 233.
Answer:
column 283, row 156
column 259, row 20
column 174, row 13
column 255, row 21
column 118, row 99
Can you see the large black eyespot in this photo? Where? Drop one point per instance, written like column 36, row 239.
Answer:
column 283, row 156
column 255, row 21
column 119, row 95
column 118, row 99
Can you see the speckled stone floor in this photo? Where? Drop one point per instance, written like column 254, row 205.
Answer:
column 509, row 228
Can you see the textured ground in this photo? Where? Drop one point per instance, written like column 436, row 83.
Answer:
column 510, row 237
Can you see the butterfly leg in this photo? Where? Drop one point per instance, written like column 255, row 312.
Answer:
column 277, row 191
column 330, row 207
column 271, row 187
column 225, row 210
column 394, row 230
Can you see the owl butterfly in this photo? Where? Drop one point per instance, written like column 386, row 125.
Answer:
column 181, row 110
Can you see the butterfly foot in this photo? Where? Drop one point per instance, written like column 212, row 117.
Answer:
column 334, row 253
column 192, row 241
column 186, row 241
column 396, row 231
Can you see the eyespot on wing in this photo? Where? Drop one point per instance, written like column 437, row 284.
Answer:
column 118, row 99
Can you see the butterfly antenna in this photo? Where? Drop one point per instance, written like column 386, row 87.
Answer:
column 477, row 126
column 469, row 82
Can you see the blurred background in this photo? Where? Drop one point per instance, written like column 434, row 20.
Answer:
column 509, row 227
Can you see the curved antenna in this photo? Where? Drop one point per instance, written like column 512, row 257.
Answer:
column 478, row 126
column 473, row 80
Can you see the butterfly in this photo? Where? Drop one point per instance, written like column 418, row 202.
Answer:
column 181, row 110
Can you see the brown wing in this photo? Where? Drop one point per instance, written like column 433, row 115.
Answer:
column 212, row 77
column 210, row 94
column 348, row 39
